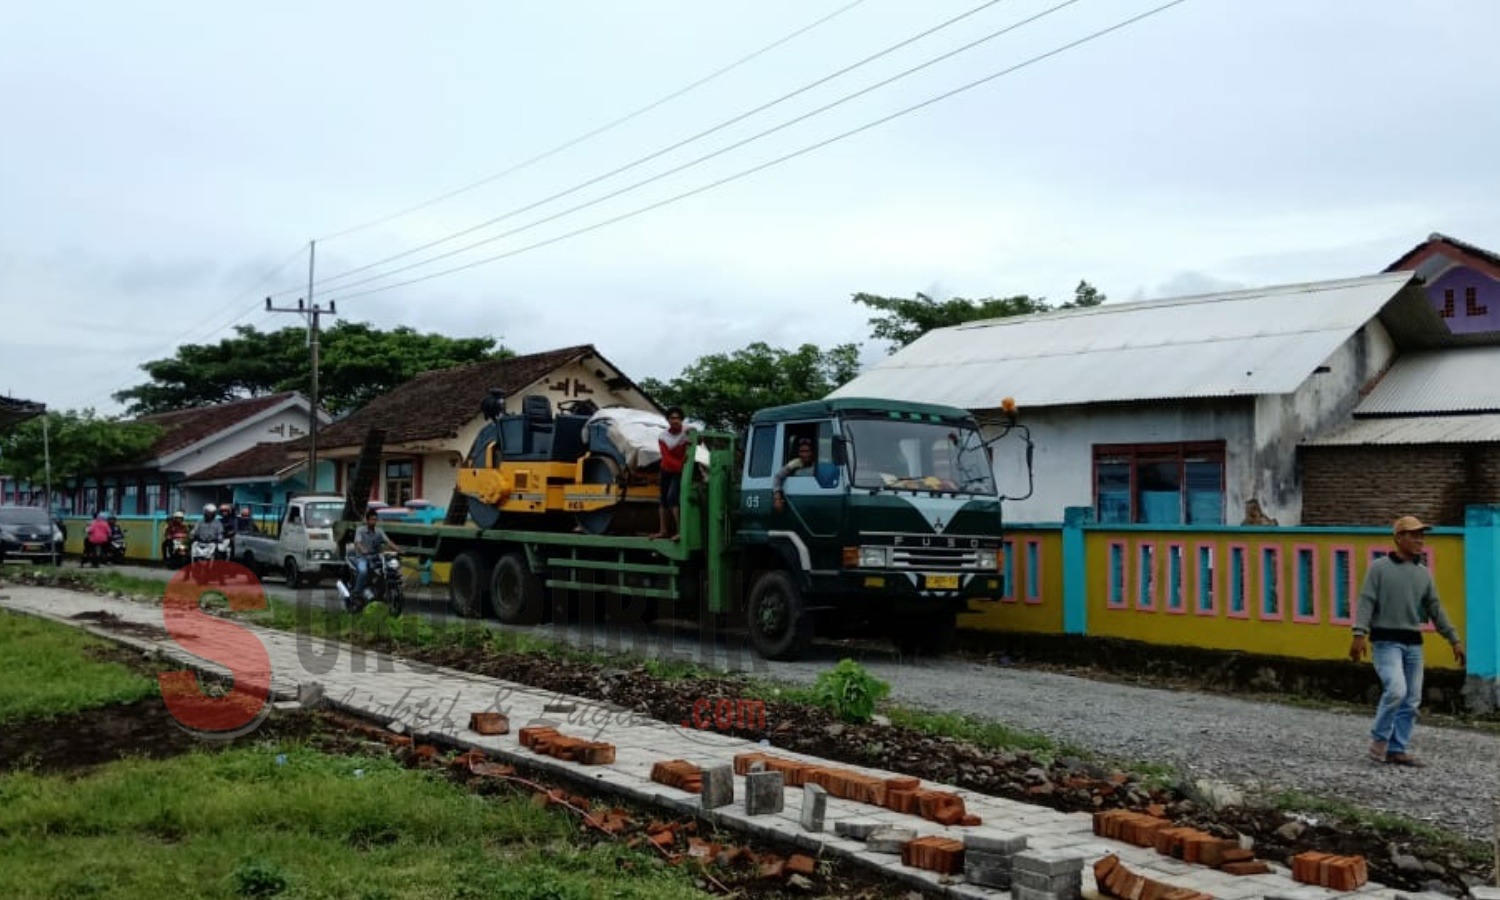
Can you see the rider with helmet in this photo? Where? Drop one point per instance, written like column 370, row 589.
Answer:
column 210, row 529
column 176, row 530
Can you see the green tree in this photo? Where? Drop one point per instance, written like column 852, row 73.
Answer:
column 725, row 389
column 79, row 442
column 903, row 319
column 358, row 363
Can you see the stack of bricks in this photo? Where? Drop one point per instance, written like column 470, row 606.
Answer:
column 1046, row 875
column 548, row 741
column 989, row 859
column 899, row 794
column 1115, row 880
column 1339, row 873
column 680, row 774
column 1187, row 844
column 936, row 854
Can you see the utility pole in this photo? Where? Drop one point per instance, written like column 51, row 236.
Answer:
column 313, row 313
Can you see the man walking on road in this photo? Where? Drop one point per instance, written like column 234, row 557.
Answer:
column 1397, row 598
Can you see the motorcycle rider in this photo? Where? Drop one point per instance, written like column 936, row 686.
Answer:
column 176, row 530
column 116, row 539
column 95, row 540
column 210, row 530
column 368, row 542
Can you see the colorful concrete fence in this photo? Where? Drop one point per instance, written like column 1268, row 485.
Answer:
column 1276, row 591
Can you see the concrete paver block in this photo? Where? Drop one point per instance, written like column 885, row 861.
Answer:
column 718, row 787
column 814, row 807
column 1003, row 843
column 765, row 792
column 1049, row 862
column 889, row 840
column 857, row 830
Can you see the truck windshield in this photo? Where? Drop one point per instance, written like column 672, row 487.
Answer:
column 918, row 456
column 323, row 515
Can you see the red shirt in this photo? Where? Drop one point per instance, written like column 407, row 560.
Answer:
column 673, row 450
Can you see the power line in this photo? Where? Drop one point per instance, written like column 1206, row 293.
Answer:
column 780, row 159
column 668, row 149
column 701, row 159
column 597, row 131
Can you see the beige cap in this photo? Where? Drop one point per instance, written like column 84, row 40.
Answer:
column 1409, row 523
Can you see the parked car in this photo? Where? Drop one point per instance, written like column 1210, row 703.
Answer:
column 303, row 549
column 28, row 532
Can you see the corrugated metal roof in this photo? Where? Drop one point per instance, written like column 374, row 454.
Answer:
column 1480, row 429
column 1459, row 379
column 1265, row 341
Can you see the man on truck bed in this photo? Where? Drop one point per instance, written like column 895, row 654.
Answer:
column 673, row 445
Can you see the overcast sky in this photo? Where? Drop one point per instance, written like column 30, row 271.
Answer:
column 161, row 160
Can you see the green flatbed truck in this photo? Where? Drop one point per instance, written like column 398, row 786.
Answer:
column 895, row 524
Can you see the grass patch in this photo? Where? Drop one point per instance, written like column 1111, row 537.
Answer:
column 97, row 579
column 990, row 735
column 51, row 669
column 237, row 824
column 1389, row 825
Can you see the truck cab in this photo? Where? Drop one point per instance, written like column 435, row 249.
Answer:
column 893, row 520
column 302, row 548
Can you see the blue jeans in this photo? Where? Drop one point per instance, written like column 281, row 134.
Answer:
column 1400, row 669
column 361, row 574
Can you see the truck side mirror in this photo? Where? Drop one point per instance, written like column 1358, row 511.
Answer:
column 827, row 473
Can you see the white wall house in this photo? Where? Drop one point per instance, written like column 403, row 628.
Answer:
column 1178, row 411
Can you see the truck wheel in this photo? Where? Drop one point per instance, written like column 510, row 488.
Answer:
column 516, row 591
column 780, row 626
column 468, row 592
column 293, row 573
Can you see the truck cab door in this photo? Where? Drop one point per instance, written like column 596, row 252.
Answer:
column 293, row 538
column 815, row 500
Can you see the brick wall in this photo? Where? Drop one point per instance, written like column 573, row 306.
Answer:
column 1373, row 485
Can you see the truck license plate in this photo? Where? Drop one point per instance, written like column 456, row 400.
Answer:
column 31, row 547
column 942, row 582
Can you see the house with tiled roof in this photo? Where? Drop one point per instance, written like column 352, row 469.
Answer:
column 431, row 422
column 192, row 441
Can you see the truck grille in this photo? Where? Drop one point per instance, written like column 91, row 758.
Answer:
column 934, row 558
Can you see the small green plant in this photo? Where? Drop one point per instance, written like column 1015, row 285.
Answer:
column 258, row 878
column 849, row 691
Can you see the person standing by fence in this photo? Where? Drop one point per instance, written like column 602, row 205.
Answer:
column 1397, row 598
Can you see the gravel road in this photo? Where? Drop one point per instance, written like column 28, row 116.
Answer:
column 1250, row 744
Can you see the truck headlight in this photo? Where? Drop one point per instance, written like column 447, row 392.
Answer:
column 874, row 557
column 989, row 560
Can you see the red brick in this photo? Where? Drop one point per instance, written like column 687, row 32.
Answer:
column 971, row 821
column 1238, row 854
column 799, row 864
column 934, row 853
column 530, row 733
column 489, row 723
column 772, row 867
column 1246, row 867
column 663, row 839
column 597, row 753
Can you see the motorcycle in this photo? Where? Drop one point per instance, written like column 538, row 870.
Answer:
column 384, row 582
column 175, row 554
column 206, row 560
column 114, row 551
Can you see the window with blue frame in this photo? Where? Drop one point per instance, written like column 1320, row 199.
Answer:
column 1159, row 484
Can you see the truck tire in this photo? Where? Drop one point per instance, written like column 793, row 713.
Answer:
column 468, row 589
column 779, row 624
column 293, row 573
column 516, row 591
